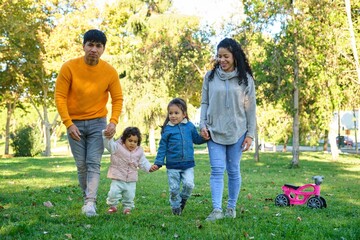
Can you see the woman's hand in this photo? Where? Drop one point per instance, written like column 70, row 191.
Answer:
column 204, row 132
column 246, row 144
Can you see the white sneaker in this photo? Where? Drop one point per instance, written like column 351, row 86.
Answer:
column 230, row 213
column 215, row 215
column 89, row 209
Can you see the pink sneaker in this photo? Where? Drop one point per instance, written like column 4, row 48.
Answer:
column 127, row 211
column 112, row 209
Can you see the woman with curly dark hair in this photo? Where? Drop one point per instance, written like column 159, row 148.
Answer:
column 228, row 121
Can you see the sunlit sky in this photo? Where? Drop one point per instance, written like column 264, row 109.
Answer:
column 211, row 11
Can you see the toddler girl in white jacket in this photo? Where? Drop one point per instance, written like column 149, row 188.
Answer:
column 127, row 156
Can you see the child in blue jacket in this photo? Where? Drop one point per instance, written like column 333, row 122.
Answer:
column 178, row 135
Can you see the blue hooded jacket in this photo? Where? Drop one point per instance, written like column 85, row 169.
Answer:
column 177, row 145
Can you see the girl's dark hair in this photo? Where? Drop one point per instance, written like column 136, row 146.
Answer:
column 95, row 35
column 131, row 131
column 240, row 60
column 181, row 104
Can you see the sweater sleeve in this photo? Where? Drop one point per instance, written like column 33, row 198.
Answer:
column 62, row 86
column 204, row 101
column 250, row 108
column 116, row 99
column 144, row 164
column 110, row 144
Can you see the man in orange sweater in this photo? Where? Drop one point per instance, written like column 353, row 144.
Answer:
column 81, row 94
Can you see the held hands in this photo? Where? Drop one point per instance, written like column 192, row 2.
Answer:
column 205, row 133
column 246, row 144
column 153, row 168
column 110, row 130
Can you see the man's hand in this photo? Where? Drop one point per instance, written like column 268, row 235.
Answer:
column 74, row 132
column 110, row 130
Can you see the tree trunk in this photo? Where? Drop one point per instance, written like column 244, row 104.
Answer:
column 352, row 39
column 296, row 121
column 326, row 139
column 47, row 128
column 152, row 143
column 256, row 155
column 355, row 127
column 332, row 138
column 9, row 112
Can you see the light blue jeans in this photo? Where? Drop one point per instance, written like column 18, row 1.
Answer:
column 225, row 157
column 175, row 178
column 87, row 154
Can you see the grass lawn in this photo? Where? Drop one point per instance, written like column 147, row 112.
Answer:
column 26, row 183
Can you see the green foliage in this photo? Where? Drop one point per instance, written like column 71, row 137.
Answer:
column 26, row 142
column 26, row 183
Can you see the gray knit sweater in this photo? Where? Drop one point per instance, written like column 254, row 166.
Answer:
column 228, row 109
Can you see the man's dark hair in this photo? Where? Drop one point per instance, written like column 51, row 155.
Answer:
column 95, row 35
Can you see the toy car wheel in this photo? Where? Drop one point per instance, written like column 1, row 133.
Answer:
column 282, row 200
column 315, row 202
column 323, row 202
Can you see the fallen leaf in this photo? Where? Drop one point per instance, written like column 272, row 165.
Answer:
column 299, row 219
column 198, row 224
column 48, row 204
column 196, row 195
column 68, row 235
column 249, row 196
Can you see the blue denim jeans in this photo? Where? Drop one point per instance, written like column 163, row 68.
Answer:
column 87, row 154
column 175, row 178
column 225, row 157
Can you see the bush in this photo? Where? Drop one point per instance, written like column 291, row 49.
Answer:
column 26, row 142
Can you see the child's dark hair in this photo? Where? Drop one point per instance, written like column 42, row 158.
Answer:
column 131, row 131
column 95, row 35
column 181, row 104
column 241, row 62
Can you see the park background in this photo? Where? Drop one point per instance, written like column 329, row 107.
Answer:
column 304, row 58
column 303, row 55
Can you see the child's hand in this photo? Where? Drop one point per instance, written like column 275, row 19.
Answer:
column 153, row 168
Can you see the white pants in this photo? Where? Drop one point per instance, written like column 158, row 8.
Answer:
column 120, row 190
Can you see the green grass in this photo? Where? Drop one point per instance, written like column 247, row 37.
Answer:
column 26, row 183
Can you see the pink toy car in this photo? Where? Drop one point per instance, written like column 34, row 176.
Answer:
column 298, row 195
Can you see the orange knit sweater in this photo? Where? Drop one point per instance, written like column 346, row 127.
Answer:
column 82, row 91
